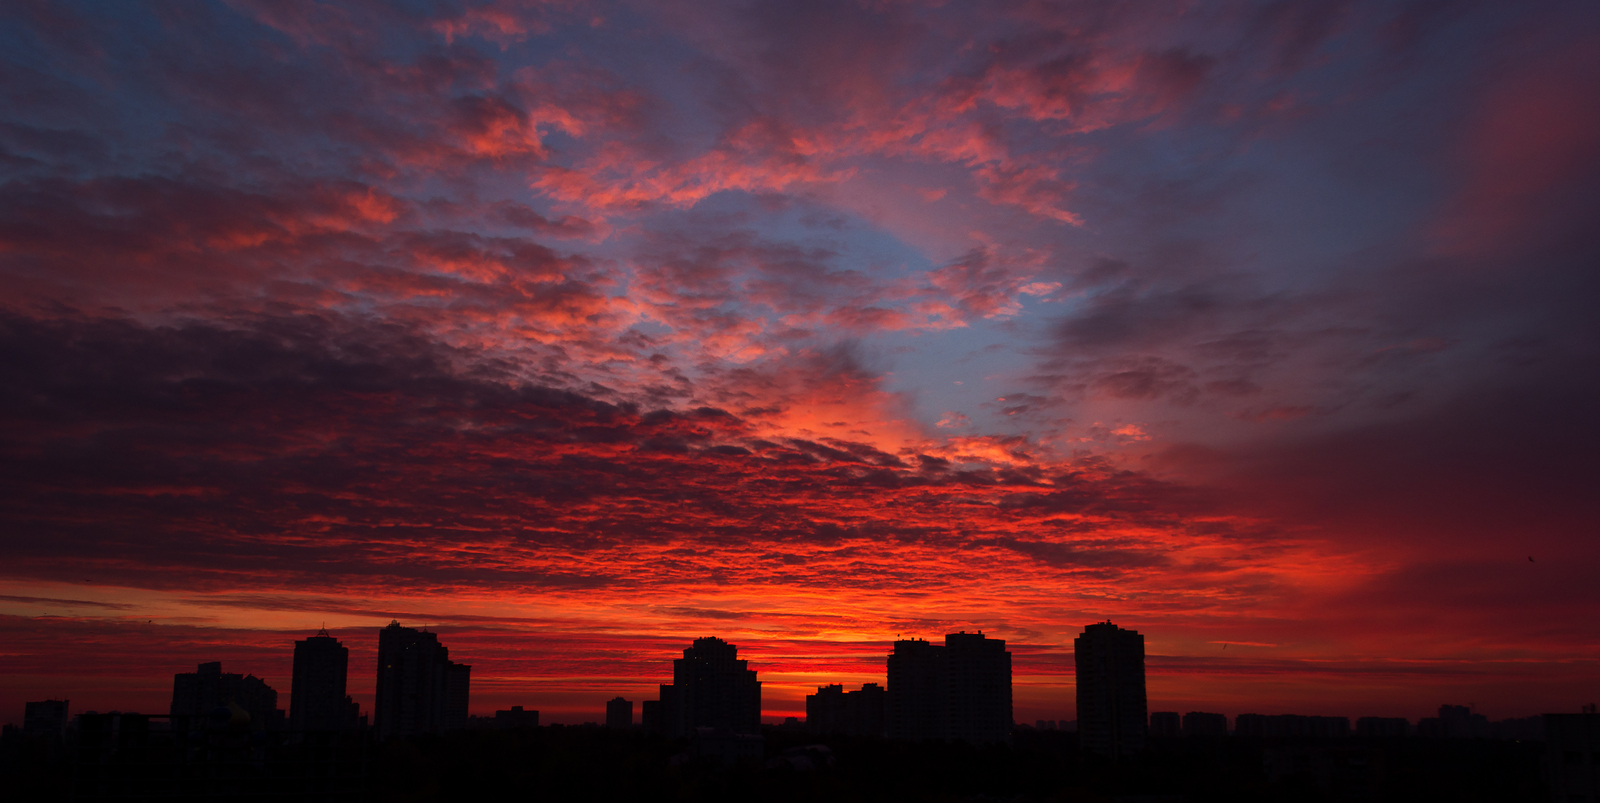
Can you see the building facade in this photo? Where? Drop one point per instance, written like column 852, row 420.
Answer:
column 317, row 699
column 852, row 713
column 1201, row 723
column 1454, row 722
column 420, row 690
column 711, row 688
column 917, row 690
column 1113, row 718
column 979, row 688
column 516, row 717
column 1290, row 726
column 960, row 690
column 200, row 693
column 45, row 718
column 619, row 713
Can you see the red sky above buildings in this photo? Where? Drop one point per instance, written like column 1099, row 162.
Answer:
column 576, row 331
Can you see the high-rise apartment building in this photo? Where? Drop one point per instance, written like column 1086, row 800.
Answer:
column 865, row 710
column 45, row 718
column 420, row 690
column 1455, row 722
column 711, row 688
column 650, row 715
column 979, row 687
column 317, row 700
column 854, row 713
column 917, row 690
column 825, row 710
column 660, row 715
column 619, row 713
column 1112, row 714
column 457, row 687
column 516, row 717
column 958, row 691
column 1200, row 723
column 197, row 694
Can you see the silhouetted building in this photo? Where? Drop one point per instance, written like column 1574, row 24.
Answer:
column 866, row 707
column 711, row 688
column 1383, row 727
column 659, row 715
column 958, row 691
column 420, row 690
column 45, row 719
column 516, row 717
column 980, row 688
column 1166, row 724
column 1521, row 729
column 854, row 713
column 619, row 713
column 1572, row 755
column 825, row 709
column 1200, row 723
column 457, row 695
column 200, row 693
column 317, row 701
column 105, row 737
column 1112, row 718
column 917, row 691
column 1454, row 722
column 1290, row 726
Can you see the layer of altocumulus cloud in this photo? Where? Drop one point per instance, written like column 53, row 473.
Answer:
column 282, row 449
column 310, row 451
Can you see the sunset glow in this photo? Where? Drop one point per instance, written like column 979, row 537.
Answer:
column 575, row 331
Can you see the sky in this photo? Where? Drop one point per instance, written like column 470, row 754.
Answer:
column 575, row 331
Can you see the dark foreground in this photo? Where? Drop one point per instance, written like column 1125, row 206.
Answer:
column 585, row 763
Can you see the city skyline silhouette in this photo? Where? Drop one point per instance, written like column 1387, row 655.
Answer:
column 224, row 736
column 561, row 336
column 1111, row 666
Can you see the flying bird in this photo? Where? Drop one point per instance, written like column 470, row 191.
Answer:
column 1530, row 558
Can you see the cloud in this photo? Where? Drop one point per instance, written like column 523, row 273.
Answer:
column 70, row 603
column 1528, row 156
column 578, row 321
column 267, row 450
